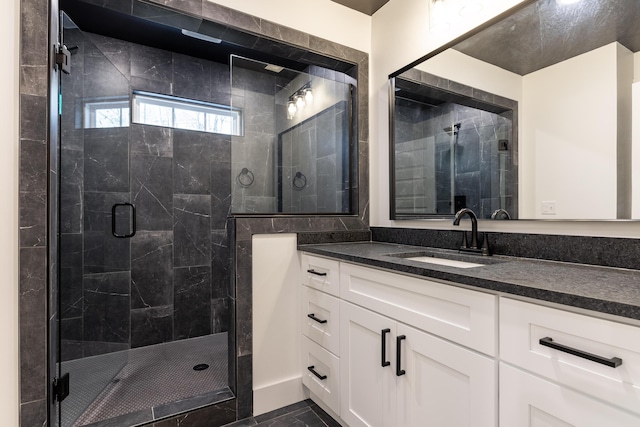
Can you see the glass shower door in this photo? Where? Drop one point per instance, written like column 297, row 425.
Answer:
column 95, row 211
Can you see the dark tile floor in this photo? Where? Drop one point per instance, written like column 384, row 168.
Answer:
column 302, row 414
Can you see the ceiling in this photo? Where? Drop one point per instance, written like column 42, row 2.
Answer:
column 545, row 33
column 365, row 6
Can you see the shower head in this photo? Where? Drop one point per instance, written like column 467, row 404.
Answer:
column 453, row 129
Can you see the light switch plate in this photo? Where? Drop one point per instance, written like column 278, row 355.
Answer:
column 548, row 208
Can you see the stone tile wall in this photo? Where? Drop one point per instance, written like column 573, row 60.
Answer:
column 34, row 99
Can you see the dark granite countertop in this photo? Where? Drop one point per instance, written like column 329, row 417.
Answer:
column 608, row 290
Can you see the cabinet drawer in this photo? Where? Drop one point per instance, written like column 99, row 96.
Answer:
column 460, row 315
column 523, row 325
column 530, row 401
column 321, row 273
column 321, row 319
column 321, row 373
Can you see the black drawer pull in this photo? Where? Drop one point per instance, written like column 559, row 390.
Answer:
column 399, row 372
column 383, row 334
column 614, row 362
column 321, row 377
column 317, row 273
column 313, row 316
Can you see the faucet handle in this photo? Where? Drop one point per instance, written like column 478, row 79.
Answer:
column 485, row 244
column 465, row 243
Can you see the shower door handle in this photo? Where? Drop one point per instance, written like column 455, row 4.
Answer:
column 114, row 209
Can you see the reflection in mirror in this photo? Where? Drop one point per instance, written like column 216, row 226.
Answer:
column 573, row 70
column 453, row 148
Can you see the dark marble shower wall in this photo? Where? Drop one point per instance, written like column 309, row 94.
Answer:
column 318, row 150
column 426, row 175
column 171, row 280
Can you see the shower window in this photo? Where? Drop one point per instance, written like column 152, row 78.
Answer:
column 180, row 113
column 101, row 114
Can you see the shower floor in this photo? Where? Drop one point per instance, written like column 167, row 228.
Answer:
column 147, row 383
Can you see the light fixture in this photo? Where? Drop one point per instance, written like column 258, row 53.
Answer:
column 308, row 95
column 291, row 109
column 299, row 99
column 202, row 37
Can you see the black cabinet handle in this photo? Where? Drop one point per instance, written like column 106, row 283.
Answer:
column 317, row 273
column 312, row 316
column 399, row 372
column 614, row 362
column 133, row 221
column 321, row 377
column 383, row 335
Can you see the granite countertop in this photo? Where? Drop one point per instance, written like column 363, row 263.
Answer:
column 608, row 290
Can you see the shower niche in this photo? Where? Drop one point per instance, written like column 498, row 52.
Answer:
column 165, row 136
column 452, row 146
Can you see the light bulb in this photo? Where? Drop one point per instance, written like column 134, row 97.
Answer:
column 308, row 96
column 291, row 108
column 299, row 102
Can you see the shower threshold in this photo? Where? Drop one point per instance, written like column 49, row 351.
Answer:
column 148, row 383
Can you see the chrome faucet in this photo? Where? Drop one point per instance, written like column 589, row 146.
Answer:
column 500, row 214
column 474, row 247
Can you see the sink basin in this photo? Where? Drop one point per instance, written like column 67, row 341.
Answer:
column 444, row 261
column 447, row 258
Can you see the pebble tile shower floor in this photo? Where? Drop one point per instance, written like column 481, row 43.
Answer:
column 153, row 381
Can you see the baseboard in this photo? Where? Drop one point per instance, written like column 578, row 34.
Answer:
column 275, row 396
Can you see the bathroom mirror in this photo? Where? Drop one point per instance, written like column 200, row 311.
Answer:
column 563, row 152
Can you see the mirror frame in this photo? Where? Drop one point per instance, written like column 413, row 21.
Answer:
column 391, row 101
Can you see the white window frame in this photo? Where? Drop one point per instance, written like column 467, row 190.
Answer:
column 209, row 111
column 91, row 107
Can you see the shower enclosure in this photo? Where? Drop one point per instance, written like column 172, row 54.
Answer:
column 158, row 150
column 144, row 257
column 451, row 151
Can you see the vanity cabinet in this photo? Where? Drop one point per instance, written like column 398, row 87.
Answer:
column 400, row 343
column 413, row 352
column 401, row 376
column 587, row 369
column 320, row 316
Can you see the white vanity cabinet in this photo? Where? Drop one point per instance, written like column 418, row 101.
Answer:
column 401, row 376
column 320, row 316
column 566, row 369
column 400, row 343
column 413, row 352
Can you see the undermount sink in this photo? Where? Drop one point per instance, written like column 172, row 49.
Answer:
column 444, row 261
column 447, row 258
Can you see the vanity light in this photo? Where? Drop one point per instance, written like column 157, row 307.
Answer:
column 291, row 109
column 308, row 95
column 299, row 99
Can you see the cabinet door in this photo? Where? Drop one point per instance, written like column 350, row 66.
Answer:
column 530, row 401
column 444, row 384
column 367, row 389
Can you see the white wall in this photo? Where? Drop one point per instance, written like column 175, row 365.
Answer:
column 277, row 328
column 322, row 18
column 635, row 137
column 9, row 33
column 400, row 35
column 574, row 164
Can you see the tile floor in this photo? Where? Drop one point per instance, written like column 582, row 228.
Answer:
column 302, row 414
